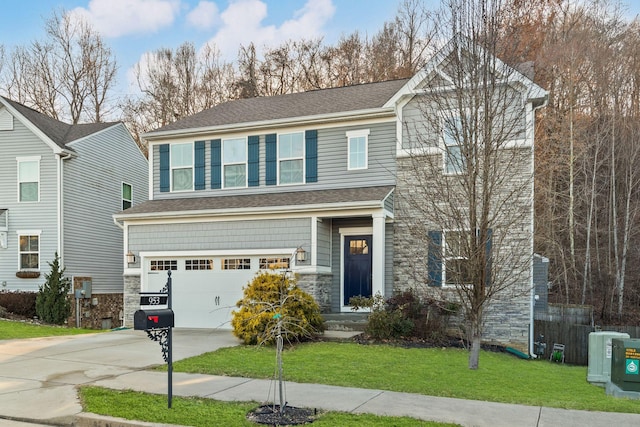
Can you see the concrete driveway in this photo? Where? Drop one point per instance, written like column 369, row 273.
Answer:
column 38, row 376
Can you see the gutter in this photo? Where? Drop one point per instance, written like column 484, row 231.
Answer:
column 267, row 124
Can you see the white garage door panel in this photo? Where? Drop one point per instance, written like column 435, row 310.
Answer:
column 202, row 298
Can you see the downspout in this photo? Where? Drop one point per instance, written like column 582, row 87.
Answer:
column 60, row 202
column 533, row 289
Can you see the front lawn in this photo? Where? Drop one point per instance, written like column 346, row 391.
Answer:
column 10, row 329
column 133, row 405
column 433, row 371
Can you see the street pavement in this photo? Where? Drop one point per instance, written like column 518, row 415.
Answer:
column 38, row 380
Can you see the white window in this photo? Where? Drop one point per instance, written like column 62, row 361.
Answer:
column 198, row 264
column 234, row 160
column 29, row 250
column 182, row 167
column 236, row 264
column 291, row 158
column 358, row 149
column 127, row 196
column 28, row 179
column 457, row 245
column 452, row 136
column 274, row 263
column 164, row 264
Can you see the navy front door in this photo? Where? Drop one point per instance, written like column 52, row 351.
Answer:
column 357, row 267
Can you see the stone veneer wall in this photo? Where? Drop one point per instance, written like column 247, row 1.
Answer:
column 319, row 287
column 507, row 318
column 131, row 298
column 106, row 313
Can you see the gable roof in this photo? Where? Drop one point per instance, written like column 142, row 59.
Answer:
column 57, row 132
column 354, row 198
column 347, row 99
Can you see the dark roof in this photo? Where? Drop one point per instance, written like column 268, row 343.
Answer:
column 171, row 207
column 59, row 132
column 303, row 104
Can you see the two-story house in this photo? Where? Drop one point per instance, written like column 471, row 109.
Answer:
column 305, row 180
column 60, row 184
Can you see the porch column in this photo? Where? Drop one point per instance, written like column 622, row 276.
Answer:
column 378, row 257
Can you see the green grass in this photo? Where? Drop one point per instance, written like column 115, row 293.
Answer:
column 435, row 372
column 133, row 405
column 15, row 330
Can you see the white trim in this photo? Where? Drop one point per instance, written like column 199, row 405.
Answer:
column 361, row 133
column 314, row 240
column 30, row 233
column 33, row 128
column 217, row 253
column 27, row 159
column 122, row 199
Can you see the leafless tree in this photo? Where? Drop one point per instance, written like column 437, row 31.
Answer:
column 466, row 182
column 67, row 76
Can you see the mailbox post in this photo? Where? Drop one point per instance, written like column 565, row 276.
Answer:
column 158, row 323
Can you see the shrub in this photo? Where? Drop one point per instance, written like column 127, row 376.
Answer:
column 405, row 315
column 20, row 303
column 272, row 298
column 52, row 304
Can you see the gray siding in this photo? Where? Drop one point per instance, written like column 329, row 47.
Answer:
column 93, row 180
column 332, row 164
column 324, row 242
column 41, row 215
column 222, row 235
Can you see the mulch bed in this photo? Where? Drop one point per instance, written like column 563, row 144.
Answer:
column 270, row 415
column 442, row 342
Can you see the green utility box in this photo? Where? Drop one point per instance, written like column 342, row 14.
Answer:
column 625, row 364
column 600, row 354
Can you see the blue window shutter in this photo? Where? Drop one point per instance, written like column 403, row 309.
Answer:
column 164, row 168
column 434, row 260
column 216, row 164
column 271, row 159
column 199, row 165
column 254, row 161
column 311, row 153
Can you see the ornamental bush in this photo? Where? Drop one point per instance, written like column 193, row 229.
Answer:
column 52, row 304
column 273, row 301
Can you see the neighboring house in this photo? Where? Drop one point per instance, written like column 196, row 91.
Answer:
column 305, row 180
column 60, row 184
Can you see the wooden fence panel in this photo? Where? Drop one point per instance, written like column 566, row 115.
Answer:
column 574, row 337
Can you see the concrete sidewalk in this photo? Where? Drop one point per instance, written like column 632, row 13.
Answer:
column 38, row 380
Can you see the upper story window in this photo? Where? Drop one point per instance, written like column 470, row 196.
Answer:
column 127, row 195
column 182, row 167
column 456, row 263
column 291, row 158
column 452, row 137
column 29, row 250
column 358, row 149
column 28, row 179
column 234, row 159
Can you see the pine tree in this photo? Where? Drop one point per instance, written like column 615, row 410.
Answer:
column 52, row 304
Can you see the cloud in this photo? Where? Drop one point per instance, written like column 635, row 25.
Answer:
column 242, row 24
column 116, row 18
column 203, row 16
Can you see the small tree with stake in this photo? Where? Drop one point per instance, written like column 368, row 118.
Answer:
column 52, row 304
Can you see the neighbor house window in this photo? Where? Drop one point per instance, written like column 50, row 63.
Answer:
column 358, row 147
column 234, row 159
column 182, row 167
column 291, row 158
column 29, row 251
column 29, row 179
column 456, row 262
column 452, row 136
column 127, row 196
column 236, row 264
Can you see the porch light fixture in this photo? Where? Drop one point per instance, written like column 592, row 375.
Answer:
column 301, row 255
column 131, row 258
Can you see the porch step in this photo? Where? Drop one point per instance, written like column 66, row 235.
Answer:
column 350, row 322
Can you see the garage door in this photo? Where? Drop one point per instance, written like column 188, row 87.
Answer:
column 205, row 290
